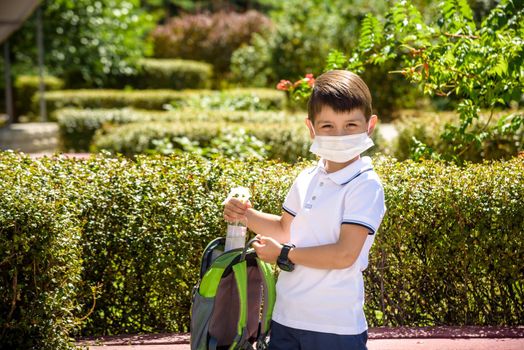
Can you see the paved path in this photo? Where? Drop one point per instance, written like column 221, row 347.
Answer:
column 429, row 338
column 373, row 344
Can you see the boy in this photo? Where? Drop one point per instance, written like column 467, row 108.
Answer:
column 330, row 215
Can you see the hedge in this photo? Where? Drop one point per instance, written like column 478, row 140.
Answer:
column 173, row 74
column 233, row 99
column 286, row 141
column 78, row 126
column 427, row 128
column 448, row 251
column 25, row 88
column 40, row 255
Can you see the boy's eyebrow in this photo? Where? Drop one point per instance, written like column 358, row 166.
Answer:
column 352, row 120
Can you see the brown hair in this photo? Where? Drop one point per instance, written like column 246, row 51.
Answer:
column 342, row 90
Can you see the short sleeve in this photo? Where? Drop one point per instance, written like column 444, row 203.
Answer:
column 365, row 205
column 292, row 202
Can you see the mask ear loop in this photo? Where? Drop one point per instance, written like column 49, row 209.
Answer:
column 312, row 127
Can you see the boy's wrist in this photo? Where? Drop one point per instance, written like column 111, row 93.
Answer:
column 284, row 260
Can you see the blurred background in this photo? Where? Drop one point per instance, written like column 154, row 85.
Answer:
column 88, row 72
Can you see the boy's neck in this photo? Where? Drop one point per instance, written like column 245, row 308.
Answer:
column 332, row 167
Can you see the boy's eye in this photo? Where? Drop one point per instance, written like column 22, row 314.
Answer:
column 326, row 126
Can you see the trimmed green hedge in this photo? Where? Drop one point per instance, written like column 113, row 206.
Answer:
column 40, row 255
column 173, row 74
column 78, row 126
column 25, row 88
column 427, row 128
column 448, row 251
column 233, row 99
column 287, row 141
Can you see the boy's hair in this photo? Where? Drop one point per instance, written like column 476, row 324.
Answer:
column 342, row 90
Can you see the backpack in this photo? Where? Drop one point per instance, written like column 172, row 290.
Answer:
column 233, row 300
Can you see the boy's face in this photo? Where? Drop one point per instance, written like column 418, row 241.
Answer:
column 331, row 123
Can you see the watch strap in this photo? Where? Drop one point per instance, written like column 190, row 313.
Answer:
column 286, row 247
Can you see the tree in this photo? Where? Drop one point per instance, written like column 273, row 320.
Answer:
column 86, row 42
column 481, row 66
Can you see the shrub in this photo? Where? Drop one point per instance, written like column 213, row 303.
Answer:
column 27, row 85
column 86, row 43
column 256, row 99
column 427, row 128
column 249, row 99
column 173, row 74
column 40, row 256
column 78, row 126
column 286, row 141
column 304, row 33
column 207, row 37
column 144, row 224
column 447, row 250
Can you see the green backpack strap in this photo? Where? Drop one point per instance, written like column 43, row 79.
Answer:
column 240, row 270
column 209, row 286
column 210, row 281
column 268, row 281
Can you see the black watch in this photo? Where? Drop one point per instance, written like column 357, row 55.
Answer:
column 283, row 261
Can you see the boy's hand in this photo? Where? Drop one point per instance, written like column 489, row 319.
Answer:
column 235, row 210
column 267, row 248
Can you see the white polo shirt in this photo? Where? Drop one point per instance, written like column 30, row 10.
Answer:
column 329, row 301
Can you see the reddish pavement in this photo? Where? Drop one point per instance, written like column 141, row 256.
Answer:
column 428, row 338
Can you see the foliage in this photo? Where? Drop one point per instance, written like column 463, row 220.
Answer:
column 286, row 141
column 86, row 42
column 40, row 257
column 233, row 143
column 26, row 86
column 250, row 99
column 436, row 213
column 167, row 8
column 250, row 64
column 172, row 74
column 144, row 224
column 78, row 126
column 207, row 37
column 304, row 32
column 480, row 65
column 425, row 129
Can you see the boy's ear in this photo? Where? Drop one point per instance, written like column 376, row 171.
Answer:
column 311, row 128
column 372, row 123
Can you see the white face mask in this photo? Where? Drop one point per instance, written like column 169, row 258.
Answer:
column 341, row 149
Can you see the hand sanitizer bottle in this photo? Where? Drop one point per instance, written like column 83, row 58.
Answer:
column 236, row 231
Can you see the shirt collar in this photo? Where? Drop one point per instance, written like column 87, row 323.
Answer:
column 345, row 175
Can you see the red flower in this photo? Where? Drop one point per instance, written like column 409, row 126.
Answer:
column 284, row 85
column 309, row 79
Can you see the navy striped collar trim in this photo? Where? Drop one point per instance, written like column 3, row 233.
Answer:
column 356, row 175
column 347, row 174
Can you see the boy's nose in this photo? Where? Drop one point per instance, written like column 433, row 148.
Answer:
column 340, row 132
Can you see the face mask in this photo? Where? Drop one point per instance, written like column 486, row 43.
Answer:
column 341, row 149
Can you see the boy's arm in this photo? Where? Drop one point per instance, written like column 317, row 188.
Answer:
column 269, row 225
column 340, row 255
